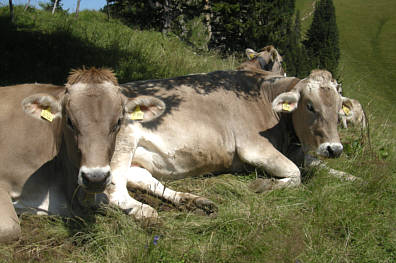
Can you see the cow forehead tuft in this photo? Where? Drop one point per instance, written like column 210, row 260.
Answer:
column 320, row 75
column 92, row 75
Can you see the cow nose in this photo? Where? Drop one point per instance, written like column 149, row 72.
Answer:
column 94, row 179
column 335, row 150
column 331, row 150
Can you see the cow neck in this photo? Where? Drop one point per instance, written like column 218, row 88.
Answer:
column 278, row 85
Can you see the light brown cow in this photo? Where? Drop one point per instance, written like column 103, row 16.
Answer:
column 61, row 138
column 220, row 122
column 352, row 113
column 267, row 59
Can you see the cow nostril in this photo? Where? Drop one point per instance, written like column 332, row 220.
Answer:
column 85, row 178
column 330, row 151
column 107, row 175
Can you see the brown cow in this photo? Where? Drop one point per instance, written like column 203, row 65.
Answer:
column 352, row 113
column 220, row 122
column 267, row 59
column 61, row 138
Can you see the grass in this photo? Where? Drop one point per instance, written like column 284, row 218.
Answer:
column 323, row 220
column 50, row 46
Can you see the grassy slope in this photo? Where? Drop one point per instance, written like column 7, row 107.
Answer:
column 324, row 220
column 50, row 46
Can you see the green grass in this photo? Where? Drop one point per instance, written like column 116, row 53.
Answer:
column 323, row 220
column 43, row 48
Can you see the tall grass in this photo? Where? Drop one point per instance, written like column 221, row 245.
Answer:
column 323, row 220
column 43, row 47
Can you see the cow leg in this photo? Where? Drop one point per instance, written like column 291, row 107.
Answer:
column 311, row 162
column 344, row 123
column 10, row 229
column 140, row 178
column 118, row 196
column 266, row 157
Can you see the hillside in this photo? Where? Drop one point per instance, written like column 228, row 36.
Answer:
column 324, row 220
column 50, row 46
column 368, row 51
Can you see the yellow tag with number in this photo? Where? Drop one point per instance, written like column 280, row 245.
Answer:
column 286, row 107
column 47, row 114
column 346, row 110
column 137, row 114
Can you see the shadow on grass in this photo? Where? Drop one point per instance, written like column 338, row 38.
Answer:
column 34, row 56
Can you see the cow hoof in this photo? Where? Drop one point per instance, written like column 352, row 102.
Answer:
column 206, row 206
column 261, row 185
column 145, row 214
column 199, row 205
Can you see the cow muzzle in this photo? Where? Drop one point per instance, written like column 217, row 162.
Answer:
column 330, row 150
column 94, row 179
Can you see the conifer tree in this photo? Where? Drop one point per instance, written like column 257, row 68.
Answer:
column 322, row 38
column 295, row 56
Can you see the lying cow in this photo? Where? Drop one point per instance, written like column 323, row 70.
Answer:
column 61, row 138
column 352, row 113
column 220, row 122
column 267, row 59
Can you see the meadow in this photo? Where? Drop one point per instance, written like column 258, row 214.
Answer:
column 323, row 220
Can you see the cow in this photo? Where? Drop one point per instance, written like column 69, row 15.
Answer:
column 352, row 113
column 222, row 122
column 56, row 143
column 267, row 59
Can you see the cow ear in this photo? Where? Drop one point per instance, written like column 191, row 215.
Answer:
column 251, row 54
column 286, row 102
column 144, row 108
column 274, row 55
column 42, row 106
column 347, row 107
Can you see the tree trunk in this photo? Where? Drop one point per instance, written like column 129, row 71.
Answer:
column 27, row 5
column 78, row 7
column 11, row 11
column 207, row 18
column 55, row 4
column 108, row 10
column 166, row 18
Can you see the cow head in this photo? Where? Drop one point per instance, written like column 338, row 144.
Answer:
column 91, row 110
column 267, row 59
column 347, row 110
column 314, row 103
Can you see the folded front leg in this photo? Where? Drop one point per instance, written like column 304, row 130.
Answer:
column 264, row 156
column 314, row 162
column 118, row 196
column 140, row 178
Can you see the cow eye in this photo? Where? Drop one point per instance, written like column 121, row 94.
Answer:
column 70, row 124
column 310, row 107
column 117, row 126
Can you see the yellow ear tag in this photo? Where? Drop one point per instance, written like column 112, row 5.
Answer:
column 286, row 106
column 346, row 110
column 137, row 114
column 47, row 114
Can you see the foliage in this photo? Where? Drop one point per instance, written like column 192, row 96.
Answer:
column 184, row 18
column 49, row 6
column 295, row 56
column 237, row 25
column 322, row 38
